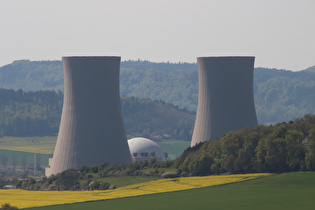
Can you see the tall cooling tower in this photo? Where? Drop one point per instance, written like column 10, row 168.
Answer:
column 91, row 130
column 225, row 101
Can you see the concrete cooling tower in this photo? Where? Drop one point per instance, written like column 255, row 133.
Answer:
column 225, row 101
column 91, row 130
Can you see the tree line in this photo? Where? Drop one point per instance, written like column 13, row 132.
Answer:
column 91, row 177
column 282, row 147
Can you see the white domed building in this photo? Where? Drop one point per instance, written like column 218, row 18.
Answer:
column 144, row 149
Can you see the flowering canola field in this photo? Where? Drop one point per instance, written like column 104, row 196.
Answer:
column 24, row 198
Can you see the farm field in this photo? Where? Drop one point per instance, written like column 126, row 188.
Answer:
column 36, row 144
column 46, row 145
column 22, row 149
column 283, row 191
column 174, row 148
column 24, row 198
column 18, row 157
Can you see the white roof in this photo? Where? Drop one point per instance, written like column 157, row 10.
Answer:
column 141, row 145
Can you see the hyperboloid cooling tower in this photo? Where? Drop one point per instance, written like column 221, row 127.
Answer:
column 225, row 101
column 91, row 130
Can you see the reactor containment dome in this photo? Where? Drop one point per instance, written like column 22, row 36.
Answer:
column 144, row 149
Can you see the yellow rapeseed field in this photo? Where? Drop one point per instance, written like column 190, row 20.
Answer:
column 24, row 198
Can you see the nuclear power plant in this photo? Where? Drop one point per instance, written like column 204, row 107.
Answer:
column 91, row 129
column 225, row 100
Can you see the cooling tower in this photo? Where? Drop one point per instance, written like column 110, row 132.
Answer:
column 91, row 130
column 225, row 101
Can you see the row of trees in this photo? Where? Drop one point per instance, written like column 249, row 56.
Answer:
column 88, row 178
column 275, row 148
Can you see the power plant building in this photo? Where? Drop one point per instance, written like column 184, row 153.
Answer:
column 91, row 130
column 226, row 99
column 144, row 149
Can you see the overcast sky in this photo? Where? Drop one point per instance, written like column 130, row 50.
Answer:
column 279, row 33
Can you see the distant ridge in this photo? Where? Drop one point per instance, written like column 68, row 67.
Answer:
column 280, row 95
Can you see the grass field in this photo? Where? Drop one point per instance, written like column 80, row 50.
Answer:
column 287, row 191
column 24, row 198
column 20, row 148
column 20, row 156
column 174, row 148
column 23, row 148
column 46, row 145
column 36, row 144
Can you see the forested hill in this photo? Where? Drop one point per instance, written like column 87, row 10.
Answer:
column 37, row 75
column 276, row 148
column 280, row 95
column 36, row 113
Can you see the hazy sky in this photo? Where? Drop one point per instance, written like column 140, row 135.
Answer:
column 280, row 33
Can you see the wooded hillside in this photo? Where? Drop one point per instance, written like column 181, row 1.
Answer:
column 280, row 95
column 38, row 113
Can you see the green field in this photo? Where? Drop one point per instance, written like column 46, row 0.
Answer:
column 17, row 149
column 36, row 144
column 46, row 145
column 285, row 191
column 19, row 157
column 174, row 148
column 23, row 148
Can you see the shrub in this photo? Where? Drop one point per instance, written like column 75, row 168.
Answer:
column 7, row 206
column 170, row 175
